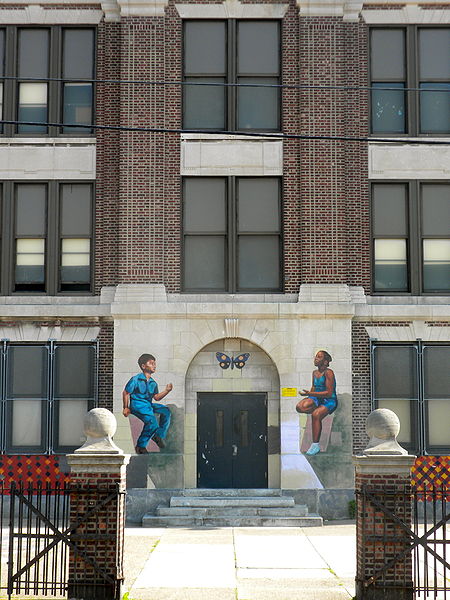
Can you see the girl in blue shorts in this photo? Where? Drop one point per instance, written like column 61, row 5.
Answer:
column 321, row 399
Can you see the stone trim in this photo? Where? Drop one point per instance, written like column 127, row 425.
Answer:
column 36, row 15
column 384, row 465
column 407, row 161
column 230, row 9
column 333, row 8
column 29, row 332
column 410, row 14
column 417, row 330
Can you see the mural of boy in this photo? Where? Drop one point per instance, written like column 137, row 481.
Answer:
column 138, row 399
column 321, row 399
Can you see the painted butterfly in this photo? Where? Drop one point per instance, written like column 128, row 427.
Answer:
column 225, row 361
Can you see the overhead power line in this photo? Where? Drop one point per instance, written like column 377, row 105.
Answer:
column 254, row 134
column 444, row 86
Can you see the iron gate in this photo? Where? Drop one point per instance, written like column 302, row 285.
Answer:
column 52, row 539
column 405, row 542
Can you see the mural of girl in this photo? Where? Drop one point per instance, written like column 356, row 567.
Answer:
column 321, row 399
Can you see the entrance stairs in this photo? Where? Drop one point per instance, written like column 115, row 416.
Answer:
column 231, row 508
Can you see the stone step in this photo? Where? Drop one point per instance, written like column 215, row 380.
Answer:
column 223, row 521
column 208, row 502
column 246, row 511
column 233, row 493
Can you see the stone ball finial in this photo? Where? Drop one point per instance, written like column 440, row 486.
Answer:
column 100, row 423
column 99, row 427
column 383, row 427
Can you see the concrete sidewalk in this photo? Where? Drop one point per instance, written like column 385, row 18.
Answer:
column 314, row 563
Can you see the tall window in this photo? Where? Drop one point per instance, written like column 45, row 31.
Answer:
column 46, row 392
column 411, row 231
column 232, row 234
column 413, row 381
column 44, row 66
column 231, row 52
column 410, row 57
column 46, row 237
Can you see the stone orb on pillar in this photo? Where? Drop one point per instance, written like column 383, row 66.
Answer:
column 383, row 427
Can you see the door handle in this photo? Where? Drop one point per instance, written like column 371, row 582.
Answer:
column 235, row 449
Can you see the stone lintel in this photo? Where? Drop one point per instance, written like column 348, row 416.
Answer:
column 384, row 464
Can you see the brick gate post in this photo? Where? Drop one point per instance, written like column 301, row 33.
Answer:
column 383, row 479
column 97, row 508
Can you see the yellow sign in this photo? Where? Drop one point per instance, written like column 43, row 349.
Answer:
column 288, row 392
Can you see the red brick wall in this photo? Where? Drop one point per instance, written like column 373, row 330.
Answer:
column 334, row 204
column 326, row 211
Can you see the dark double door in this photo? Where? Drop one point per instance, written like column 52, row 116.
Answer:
column 231, row 440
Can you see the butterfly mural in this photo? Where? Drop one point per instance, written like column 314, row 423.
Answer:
column 225, row 361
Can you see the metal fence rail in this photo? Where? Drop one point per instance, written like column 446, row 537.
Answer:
column 52, row 536
column 406, row 541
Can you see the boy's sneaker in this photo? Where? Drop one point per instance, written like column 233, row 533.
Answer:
column 140, row 450
column 159, row 441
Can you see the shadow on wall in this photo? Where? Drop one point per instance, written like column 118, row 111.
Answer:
column 159, row 468
column 333, row 465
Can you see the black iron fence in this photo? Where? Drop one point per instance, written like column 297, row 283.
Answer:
column 55, row 538
column 404, row 542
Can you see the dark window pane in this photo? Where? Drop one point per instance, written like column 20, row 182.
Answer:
column 204, row 205
column 27, row 372
column 435, row 209
column 77, row 107
column 395, row 372
column 391, row 265
column 204, row 262
column 32, row 107
column 76, row 209
column 258, row 204
column 259, row 262
column 204, row 47
column 78, row 53
column 387, row 54
column 74, row 371
column 436, row 265
column 436, row 378
column 435, row 107
column 258, row 106
column 389, row 214
column 33, row 53
column 388, row 108
column 204, row 106
column 434, row 53
column 258, row 47
column 2, row 51
column 31, row 211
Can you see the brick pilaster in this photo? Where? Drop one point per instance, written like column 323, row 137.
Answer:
column 383, row 557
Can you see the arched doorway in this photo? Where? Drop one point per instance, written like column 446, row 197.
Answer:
column 232, row 435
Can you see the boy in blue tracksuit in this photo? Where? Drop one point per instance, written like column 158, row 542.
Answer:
column 138, row 396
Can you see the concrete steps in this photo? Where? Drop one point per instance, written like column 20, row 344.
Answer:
column 231, row 508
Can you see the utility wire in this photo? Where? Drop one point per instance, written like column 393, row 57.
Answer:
column 288, row 86
column 255, row 134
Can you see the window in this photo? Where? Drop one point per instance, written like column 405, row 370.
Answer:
column 410, row 57
column 231, row 52
column 232, row 234
column 413, row 381
column 46, row 237
column 411, row 231
column 35, row 60
column 46, row 392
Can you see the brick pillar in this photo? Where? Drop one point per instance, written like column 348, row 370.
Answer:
column 383, row 479
column 97, row 512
